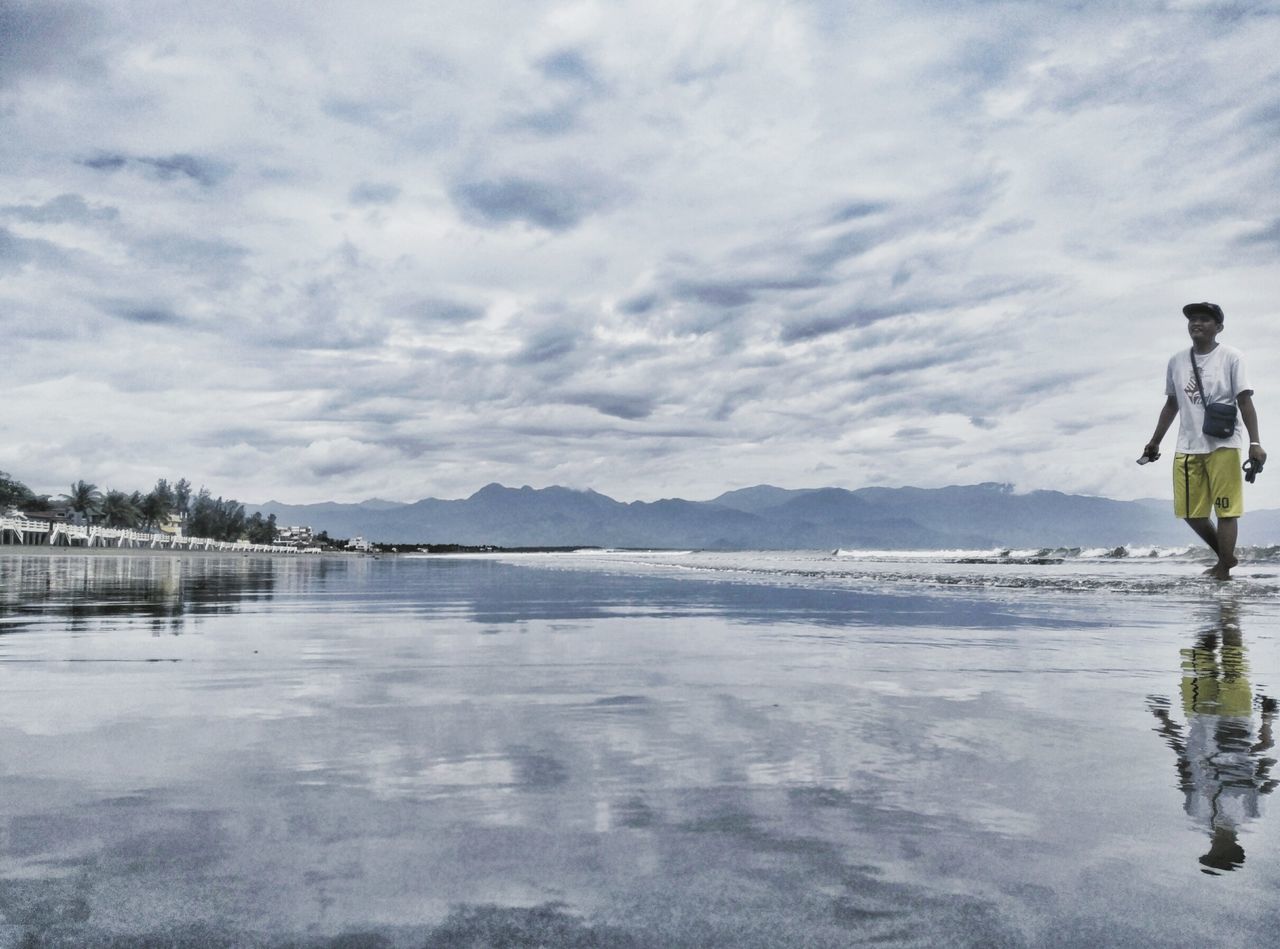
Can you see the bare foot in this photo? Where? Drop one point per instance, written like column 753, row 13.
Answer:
column 1222, row 569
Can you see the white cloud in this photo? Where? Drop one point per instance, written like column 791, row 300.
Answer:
column 655, row 249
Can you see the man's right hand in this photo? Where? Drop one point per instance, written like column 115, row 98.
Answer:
column 1150, row 452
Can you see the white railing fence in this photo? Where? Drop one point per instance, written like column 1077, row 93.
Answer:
column 22, row 530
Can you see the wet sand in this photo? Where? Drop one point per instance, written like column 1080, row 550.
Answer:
column 454, row 752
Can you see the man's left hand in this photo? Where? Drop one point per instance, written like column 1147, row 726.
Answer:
column 1257, row 454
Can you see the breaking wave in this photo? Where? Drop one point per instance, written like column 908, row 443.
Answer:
column 1175, row 571
column 1035, row 555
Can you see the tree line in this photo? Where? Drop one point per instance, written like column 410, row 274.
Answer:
column 201, row 514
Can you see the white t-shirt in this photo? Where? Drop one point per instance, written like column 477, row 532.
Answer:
column 1224, row 787
column 1223, row 376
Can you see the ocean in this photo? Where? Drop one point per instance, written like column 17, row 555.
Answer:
column 626, row 748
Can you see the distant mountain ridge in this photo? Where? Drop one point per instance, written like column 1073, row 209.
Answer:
column 763, row 517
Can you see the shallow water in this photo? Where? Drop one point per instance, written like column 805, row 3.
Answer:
column 615, row 749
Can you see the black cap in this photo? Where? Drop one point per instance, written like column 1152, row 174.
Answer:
column 1211, row 308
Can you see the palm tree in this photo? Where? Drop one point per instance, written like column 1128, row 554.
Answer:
column 182, row 498
column 119, row 510
column 156, row 507
column 85, row 499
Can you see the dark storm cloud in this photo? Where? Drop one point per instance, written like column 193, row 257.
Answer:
column 64, row 209
column 104, row 162
column 177, row 166
column 200, row 170
column 811, row 327
column 630, row 408
column 897, row 367
column 1267, row 115
column 547, row 346
column 437, row 310
column 712, row 304
column 724, row 295
column 556, row 120
column 1269, row 235
column 638, row 305
column 203, row 171
column 572, row 84
column 368, row 192
column 879, row 224
column 735, row 399
column 1237, row 12
column 988, row 60
column 16, row 252
column 846, row 246
column 1047, row 384
column 733, row 293
column 43, row 37
column 411, row 446
column 854, row 210
column 947, row 399
column 144, row 315
column 355, row 111
column 581, row 432
column 545, row 204
column 569, row 65
column 337, row 466
column 974, row 292
column 967, row 201
column 1068, row 427
column 1000, row 397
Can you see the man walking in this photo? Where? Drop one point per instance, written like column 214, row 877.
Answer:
column 1206, row 467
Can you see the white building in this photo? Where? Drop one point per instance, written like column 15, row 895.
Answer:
column 300, row 536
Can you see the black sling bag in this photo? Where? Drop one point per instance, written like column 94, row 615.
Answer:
column 1220, row 417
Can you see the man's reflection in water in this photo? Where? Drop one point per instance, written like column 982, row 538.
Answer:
column 1222, row 769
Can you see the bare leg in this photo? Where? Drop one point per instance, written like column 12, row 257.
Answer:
column 1228, row 531
column 1204, row 527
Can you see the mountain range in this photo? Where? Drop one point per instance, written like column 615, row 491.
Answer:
column 764, row 517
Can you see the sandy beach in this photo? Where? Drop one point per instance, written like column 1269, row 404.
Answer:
column 747, row 750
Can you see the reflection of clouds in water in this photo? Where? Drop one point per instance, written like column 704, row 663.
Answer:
column 1222, row 769
column 85, row 591
column 365, row 749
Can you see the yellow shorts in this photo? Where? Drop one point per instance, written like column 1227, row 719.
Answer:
column 1204, row 484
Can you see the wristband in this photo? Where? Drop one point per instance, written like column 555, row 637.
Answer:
column 1259, row 444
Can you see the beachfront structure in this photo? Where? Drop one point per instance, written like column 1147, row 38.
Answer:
column 300, row 536
column 359, row 543
column 171, row 525
column 20, row 529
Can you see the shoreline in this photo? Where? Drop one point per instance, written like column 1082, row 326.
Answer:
column 45, row 550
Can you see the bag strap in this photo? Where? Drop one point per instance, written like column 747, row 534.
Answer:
column 1199, row 386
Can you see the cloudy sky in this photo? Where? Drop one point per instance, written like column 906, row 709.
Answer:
column 403, row 249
